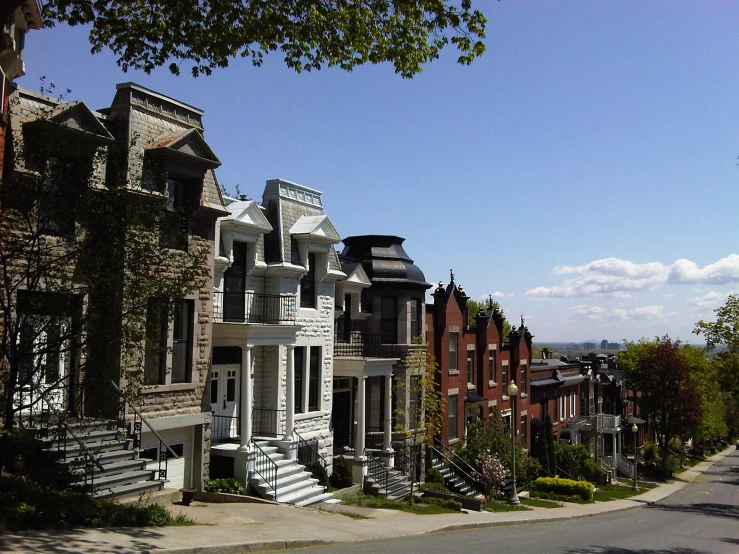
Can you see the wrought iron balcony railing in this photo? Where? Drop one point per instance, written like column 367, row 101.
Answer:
column 368, row 345
column 254, row 307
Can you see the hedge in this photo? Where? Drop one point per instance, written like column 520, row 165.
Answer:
column 583, row 489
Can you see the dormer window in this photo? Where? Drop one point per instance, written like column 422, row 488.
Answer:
column 308, row 284
column 176, row 217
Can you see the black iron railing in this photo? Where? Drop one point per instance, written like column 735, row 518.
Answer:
column 268, row 423
column 377, row 471
column 406, row 465
column 308, row 453
column 366, row 345
column 225, row 428
column 254, row 307
column 458, row 465
column 134, row 433
column 373, row 438
column 265, row 467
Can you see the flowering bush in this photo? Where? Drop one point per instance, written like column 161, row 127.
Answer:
column 493, row 472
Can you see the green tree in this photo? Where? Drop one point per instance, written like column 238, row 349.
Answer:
column 310, row 34
column 549, row 443
column 705, row 379
column 724, row 332
column 660, row 372
column 474, row 307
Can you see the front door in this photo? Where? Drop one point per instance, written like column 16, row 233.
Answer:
column 341, row 420
column 224, row 387
column 234, row 280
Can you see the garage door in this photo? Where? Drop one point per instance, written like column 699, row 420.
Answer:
column 179, row 470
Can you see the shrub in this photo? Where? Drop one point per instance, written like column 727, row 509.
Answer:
column 342, row 474
column 229, row 486
column 571, row 459
column 433, row 487
column 493, row 473
column 592, row 471
column 443, row 502
column 158, row 515
column 583, row 489
column 319, row 472
column 649, row 451
column 433, row 475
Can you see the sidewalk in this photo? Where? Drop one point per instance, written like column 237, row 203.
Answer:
column 231, row 528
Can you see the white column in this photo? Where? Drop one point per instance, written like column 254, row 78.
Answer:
column 246, row 399
column 614, row 449
column 387, row 435
column 290, row 386
column 359, row 438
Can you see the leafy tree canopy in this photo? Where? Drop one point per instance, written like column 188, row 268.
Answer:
column 725, row 330
column 310, row 34
column 474, row 307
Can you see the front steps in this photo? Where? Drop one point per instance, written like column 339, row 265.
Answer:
column 123, row 473
column 294, row 484
column 398, row 486
column 454, row 482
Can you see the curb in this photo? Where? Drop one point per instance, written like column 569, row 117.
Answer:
column 269, row 545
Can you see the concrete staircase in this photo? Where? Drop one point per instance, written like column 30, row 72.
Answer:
column 455, row 481
column 397, row 487
column 121, row 473
column 294, row 485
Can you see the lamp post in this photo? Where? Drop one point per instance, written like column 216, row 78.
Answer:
column 635, row 430
column 512, row 392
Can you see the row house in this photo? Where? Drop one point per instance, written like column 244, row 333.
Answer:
column 476, row 364
column 270, row 384
column 151, row 149
column 379, row 320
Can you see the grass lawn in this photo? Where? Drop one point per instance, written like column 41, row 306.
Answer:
column 376, row 502
column 539, row 503
column 503, row 506
column 606, row 493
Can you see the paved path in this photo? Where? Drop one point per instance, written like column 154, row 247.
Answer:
column 231, row 528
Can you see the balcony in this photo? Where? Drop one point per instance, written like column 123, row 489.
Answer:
column 602, row 422
column 254, row 307
column 367, row 345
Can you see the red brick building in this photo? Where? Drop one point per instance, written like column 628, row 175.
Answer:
column 476, row 363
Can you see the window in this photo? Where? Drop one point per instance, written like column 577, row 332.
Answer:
column 453, row 338
column 453, row 417
column 234, row 285
column 175, row 220
column 299, row 368
column 182, row 341
column 415, row 318
column 492, row 373
column 562, row 407
column 389, row 320
column 572, row 404
column 55, row 209
column 155, row 353
column 314, row 378
column 414, row 394
column 523, row 430
column 522, row 382
column 308, row 284
column 583, row 404
column 307, row 369
column 471, row 367
column 504, row 376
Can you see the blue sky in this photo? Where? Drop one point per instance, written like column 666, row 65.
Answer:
column 584, row 170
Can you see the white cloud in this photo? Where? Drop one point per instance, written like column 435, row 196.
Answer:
column 583, row 312
column 722, row 272
column 712, row 298
column 614, row 277
column 498, row 294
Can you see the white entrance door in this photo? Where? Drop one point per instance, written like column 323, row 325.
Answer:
column 224, row 391
column 47, row 362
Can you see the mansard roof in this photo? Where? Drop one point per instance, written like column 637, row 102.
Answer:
column 247, row 214
column 315, row 228
column 384, row 260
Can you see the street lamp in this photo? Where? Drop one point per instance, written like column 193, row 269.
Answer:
column 635, row 430
column 512, row 392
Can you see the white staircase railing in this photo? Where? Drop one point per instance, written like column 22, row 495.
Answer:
column 625, row 466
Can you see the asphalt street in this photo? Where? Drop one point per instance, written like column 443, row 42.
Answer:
column 702, row 517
